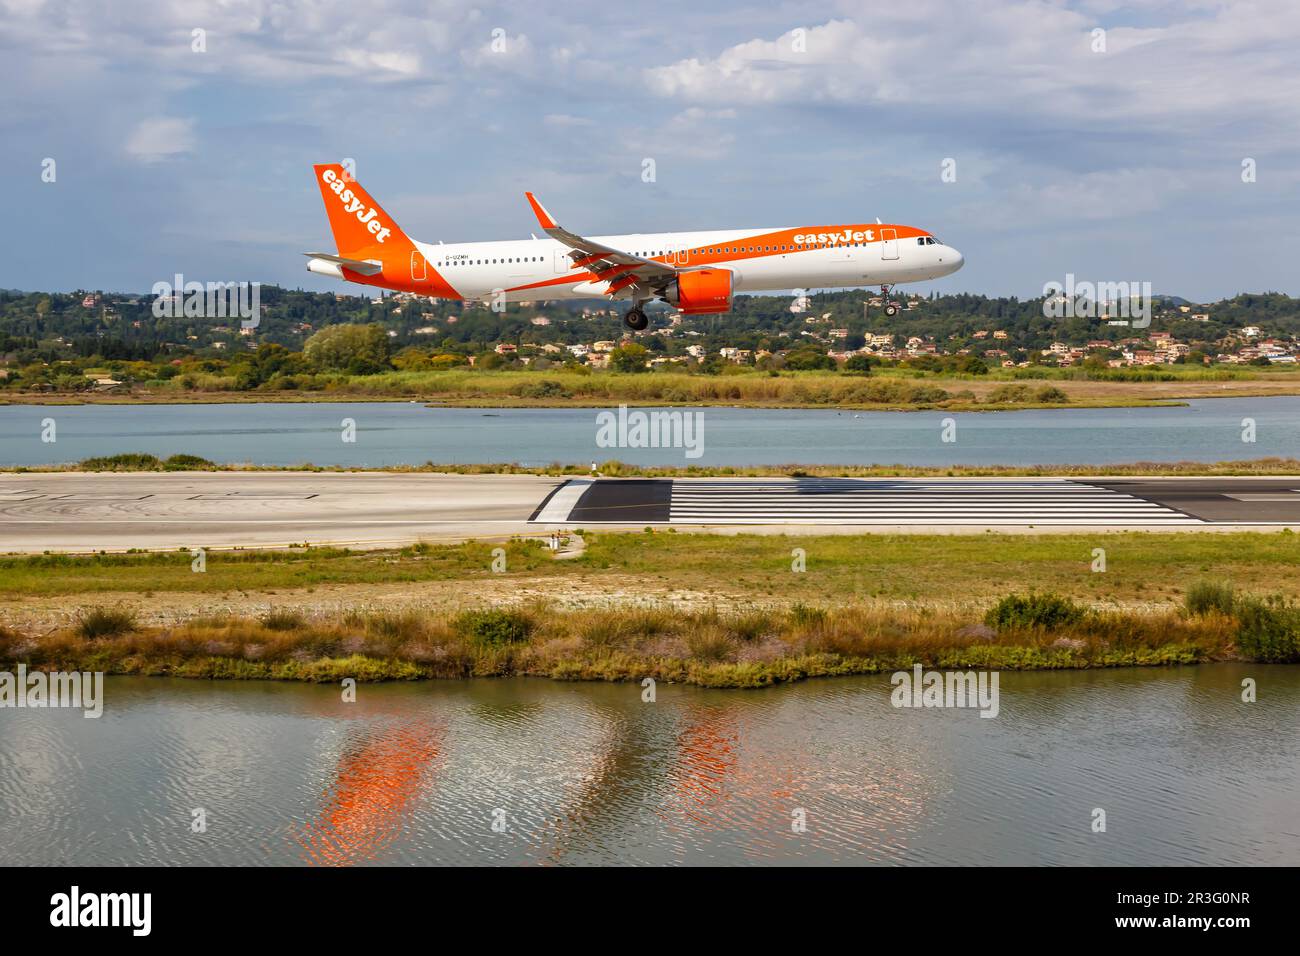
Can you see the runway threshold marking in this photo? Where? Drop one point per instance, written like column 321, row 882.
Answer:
column 562, row 501
column 856, row 501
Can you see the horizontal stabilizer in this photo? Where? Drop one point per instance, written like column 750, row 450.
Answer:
column 359, row 266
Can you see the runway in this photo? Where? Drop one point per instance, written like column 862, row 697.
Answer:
column 79, row 512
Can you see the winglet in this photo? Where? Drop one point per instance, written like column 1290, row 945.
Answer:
column 540, row 212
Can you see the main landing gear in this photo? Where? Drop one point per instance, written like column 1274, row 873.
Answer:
column 891, row 307
column 636, row 320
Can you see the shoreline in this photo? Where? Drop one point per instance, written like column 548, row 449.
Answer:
column 892, row 390
column 509, row 402
column 138, row 462
column 751, row 648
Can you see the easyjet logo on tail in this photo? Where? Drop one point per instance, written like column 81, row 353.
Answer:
column 366, row 214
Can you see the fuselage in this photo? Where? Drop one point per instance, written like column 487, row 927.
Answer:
column 804, row 257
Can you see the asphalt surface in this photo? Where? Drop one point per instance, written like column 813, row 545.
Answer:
column 72, row 511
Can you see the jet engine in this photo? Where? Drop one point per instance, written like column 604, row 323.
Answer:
column 701, row 291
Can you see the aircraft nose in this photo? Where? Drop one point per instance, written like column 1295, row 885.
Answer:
column 955, row 259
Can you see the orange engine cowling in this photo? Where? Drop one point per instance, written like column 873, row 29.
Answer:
column 701, row 291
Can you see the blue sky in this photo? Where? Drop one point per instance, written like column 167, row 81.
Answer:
column 1115, row 164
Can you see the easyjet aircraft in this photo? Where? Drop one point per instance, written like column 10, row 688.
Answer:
column 697, row 272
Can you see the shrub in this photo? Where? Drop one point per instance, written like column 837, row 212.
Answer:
column 1206, row 596
column 93, row 623
column 1048, row 611
column 546, row 388
column 1268, row 630
column 279, row 619
column 187, row 463
column 604, row 630
column 1050, row 394
column 132, row 461
column 1004, row 394
column 752, row 626
column 495, row 627
column 396, row 627
column 803, row 615
column 709, row 643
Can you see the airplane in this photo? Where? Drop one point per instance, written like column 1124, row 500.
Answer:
column 698, row 273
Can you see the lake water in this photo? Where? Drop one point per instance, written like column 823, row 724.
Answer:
column 587, row 773
column 400, row 433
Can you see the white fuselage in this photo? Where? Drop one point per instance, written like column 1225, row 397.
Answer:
column 760, row 260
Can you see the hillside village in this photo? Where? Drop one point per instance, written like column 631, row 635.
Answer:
column 96, row 340
column 994, row 346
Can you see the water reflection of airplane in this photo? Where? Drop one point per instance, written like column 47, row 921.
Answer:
column 375, row 785
column 689, row 778
column 706, row 758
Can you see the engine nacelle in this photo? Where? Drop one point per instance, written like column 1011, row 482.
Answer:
column 701, row 291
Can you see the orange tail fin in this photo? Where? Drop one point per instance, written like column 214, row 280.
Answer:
column 362, row 230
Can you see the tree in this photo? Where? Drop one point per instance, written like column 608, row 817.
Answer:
column 808, row 357
column 338, row 347
column 629, row 357
column 972, row 365
column 860, row 364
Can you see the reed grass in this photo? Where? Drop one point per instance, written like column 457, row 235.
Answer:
column 748, row 646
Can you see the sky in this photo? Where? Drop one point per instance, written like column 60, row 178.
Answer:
column 1145, row 141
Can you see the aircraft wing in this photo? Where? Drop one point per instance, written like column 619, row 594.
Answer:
column 621, row 269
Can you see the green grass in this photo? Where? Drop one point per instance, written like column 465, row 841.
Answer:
column 1142, row 568
column 53, row 574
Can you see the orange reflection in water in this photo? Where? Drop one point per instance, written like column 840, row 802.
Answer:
column 375, row 784
column 866, row 810
column 706, row 757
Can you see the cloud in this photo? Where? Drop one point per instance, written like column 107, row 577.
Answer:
column 1064, row 155
column 154, row 140
column 565, row 121
column 1218, row 65
column 380, row 62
